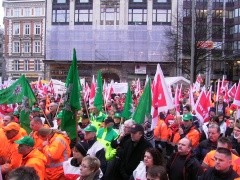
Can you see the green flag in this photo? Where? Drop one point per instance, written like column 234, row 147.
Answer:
column 144, row 106
column 14, row 93
column 72, row 100
column 128, row 105
column 20, row 92
column 98, row 100
column 29, row 99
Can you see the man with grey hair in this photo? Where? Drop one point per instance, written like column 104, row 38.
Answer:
column 214, row 133
column 52, row 113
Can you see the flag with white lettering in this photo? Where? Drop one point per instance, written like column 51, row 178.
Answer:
column 201, row 107
column 161, row 100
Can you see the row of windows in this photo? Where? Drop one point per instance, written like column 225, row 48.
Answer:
column 26, row 64
column 26, row 47
column 87, row 1
column 111, row 14
column 27, row 11
column 26, row 29
column 212, row 0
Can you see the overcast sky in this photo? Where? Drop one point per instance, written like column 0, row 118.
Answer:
column 1, row 14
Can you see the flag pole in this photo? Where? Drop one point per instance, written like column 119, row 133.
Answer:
column 75, row 115
column 45, row 117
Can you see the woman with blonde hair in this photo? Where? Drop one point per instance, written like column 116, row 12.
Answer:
column 89, row 168
column 56, row 149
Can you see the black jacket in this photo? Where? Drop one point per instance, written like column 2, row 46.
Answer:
column 213, row 174
column 192, row 168
column 133, row 154
column 120, row 146
column 235, row 144
column 203, row 148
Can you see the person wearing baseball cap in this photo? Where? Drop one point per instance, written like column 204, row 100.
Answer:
column 188, row 129
column 133, row 151
column 9, row 150
column 31, row 157
column 97, row 117
column 106, row 135
column 117, row 121
column 96, row 149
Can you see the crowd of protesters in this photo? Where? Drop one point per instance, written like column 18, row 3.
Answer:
column 110, row 147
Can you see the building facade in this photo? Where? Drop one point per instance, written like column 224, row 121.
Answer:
column 217, row 25
column 1, row 53
column 125, row 39
column 24, row 40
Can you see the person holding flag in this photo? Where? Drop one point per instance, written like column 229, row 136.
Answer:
column 187, row 129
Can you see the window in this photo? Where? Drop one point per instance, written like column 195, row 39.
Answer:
column 83, row 15
column 38, row 11
column 26, row 47
column 16, row 12
column 16, row 29
column 16, row 65
column 26, row 29
column 27, row 12
column 26, row 65
column 61, row 1
column 60, row 16
column 161, row 15
column 37, row 47
column 137, row 0
column 162, row 1
column 16, row 47
column 37, row 65
column 37, row 28
column 8, row 12
column 84, row 1
column 137, row 15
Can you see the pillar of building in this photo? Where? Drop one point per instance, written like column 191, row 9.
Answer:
column 72, row 14
column 150, row 14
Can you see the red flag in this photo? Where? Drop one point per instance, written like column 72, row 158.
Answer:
column 176, row 100
column 39, row 84
column 109, row 92
column 138, row 87
column 92, row 92
column 50, row 86
column 197, row 84
column 201, row 107
column 237, row 100
column 161, row 100
column 105, row 88
column 232, row 91
column 86, row 92
column 180, row 97
column 226, row 99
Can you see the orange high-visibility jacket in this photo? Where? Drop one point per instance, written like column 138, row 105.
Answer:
column 12, row 159
column 209, row 161
column 38, row 141
column 161, row 131
column 37, row 160
column 57, row 151
column 193, row 135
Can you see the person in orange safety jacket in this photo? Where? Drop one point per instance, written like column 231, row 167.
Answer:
column 160, row 134
column 32, row 157
column 223, row 142
column 10, row 118
column 57, row 150
column 35, row 125
column 187, row 129
column 11, row 159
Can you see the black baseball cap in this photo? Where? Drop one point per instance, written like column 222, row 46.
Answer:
column 136, row 128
